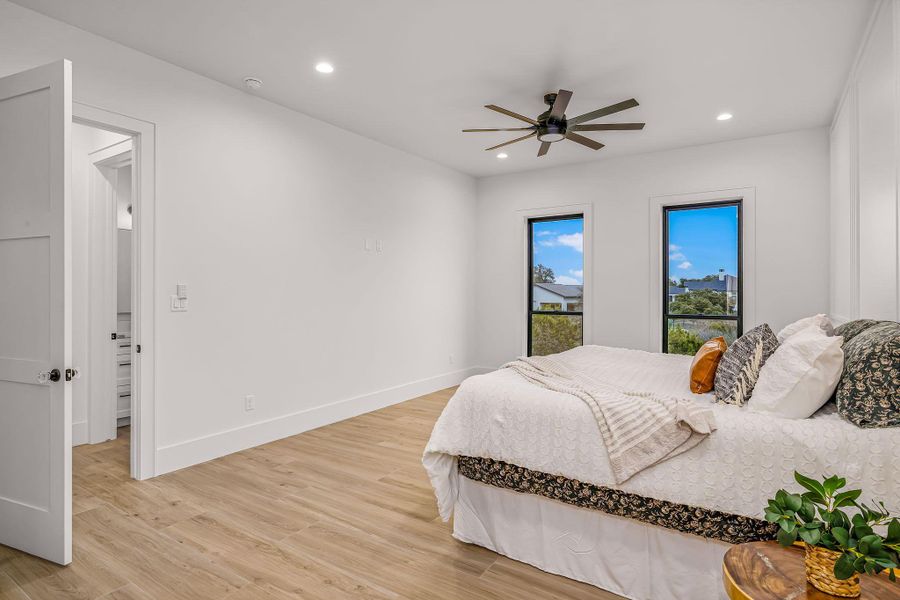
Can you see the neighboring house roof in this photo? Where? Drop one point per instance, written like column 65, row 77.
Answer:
column 561, row 289
column 699, row 284
column 674, row 291
column 729, row 283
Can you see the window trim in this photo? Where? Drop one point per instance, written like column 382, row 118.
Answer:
column 529, row 274
column 748, row 230
column 664, row 283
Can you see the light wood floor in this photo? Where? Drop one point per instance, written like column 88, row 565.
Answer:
column 344, row 511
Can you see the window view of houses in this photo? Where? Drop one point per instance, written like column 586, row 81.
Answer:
column 701, row 279
column 556, row 303
column 703, row 291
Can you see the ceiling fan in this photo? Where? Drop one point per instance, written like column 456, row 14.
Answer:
column 553, row 126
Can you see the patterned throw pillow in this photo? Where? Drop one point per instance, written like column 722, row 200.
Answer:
column 739, row 368
column 851, row 329
column 868, row 393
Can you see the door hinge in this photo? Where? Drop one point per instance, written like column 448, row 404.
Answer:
column 137, row 348
column 112, row 336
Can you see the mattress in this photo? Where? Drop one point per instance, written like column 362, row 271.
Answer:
column 502, row 416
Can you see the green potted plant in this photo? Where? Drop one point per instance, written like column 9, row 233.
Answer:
column 839, row 546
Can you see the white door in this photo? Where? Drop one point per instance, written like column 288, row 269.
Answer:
column 35, row 312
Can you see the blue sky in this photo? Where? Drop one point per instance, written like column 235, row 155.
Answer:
column 702, row 241
column 560, row 246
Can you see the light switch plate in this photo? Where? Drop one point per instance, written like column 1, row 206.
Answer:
column 178, row 304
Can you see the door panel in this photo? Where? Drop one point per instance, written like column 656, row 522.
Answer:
column 25, row 264
column 35, row 312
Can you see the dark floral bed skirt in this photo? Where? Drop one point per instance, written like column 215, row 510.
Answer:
column 734, row 529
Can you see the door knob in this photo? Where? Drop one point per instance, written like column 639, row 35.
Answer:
column 48, row 376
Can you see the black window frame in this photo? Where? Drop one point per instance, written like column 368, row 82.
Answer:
column 666, row 316
column 530, row 312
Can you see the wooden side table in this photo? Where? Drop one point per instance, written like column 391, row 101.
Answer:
column 768, row 571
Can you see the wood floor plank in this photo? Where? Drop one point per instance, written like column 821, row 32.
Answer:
column 127, row 592
column 343, row 512
column 10, row 590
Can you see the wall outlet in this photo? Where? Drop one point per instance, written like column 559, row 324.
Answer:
column 249, row 403
column 379, row 246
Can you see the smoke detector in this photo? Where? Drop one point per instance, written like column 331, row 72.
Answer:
column 252, row 83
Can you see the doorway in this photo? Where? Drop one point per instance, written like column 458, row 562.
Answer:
column 114, row 165
column 103, row 199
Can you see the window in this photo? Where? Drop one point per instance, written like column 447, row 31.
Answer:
column 702, row 280
column 555, row 284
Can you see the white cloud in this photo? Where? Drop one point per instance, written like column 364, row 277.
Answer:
column 685, row 265
column 572, row 240
column 674, row 248
column 566, row 280
column 545, row 232
column 579, row 273
column 677, row 256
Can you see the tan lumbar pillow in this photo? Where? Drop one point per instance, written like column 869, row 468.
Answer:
column 706, row 361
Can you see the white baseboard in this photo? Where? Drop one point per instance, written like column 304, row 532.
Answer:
column 80, row 433
column 202, row 449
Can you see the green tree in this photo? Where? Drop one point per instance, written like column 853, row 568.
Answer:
column 543, row 274
column 682, row 341
column 554, row 333
column 699, row 302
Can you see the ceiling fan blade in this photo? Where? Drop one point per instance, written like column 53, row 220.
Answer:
column 518, row 139
column 545, row 147
column 558, row 110
column 583, row 140
column 500, row 129
column 608, row 127
column 602, row 112
column 510, row 113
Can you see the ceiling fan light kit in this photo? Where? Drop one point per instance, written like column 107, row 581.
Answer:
column 553, row 126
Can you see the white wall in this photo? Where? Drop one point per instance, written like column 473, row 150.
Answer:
column 259, row 210
column 789, row 172
column 865, row 162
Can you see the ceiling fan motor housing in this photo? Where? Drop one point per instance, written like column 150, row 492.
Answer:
column 550, row 129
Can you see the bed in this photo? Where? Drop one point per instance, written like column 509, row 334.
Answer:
column 524, row 472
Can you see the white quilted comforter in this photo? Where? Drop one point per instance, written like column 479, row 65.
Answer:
column 502, row 416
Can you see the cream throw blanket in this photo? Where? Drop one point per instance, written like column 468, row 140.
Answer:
column 639, row 429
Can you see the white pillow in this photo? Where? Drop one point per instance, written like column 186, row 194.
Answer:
column 820, row 321
column 800, row 377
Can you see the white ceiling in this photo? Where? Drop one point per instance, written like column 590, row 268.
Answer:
column 412, row 73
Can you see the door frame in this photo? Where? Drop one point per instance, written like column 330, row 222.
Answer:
column 143, row 393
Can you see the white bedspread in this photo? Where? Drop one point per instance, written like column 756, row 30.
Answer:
column 502, row 416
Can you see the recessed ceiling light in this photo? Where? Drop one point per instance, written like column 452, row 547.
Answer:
column 502, row 155
column 324, row 67
column 724, row 117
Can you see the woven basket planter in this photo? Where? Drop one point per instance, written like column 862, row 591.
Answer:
column 820, row 573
